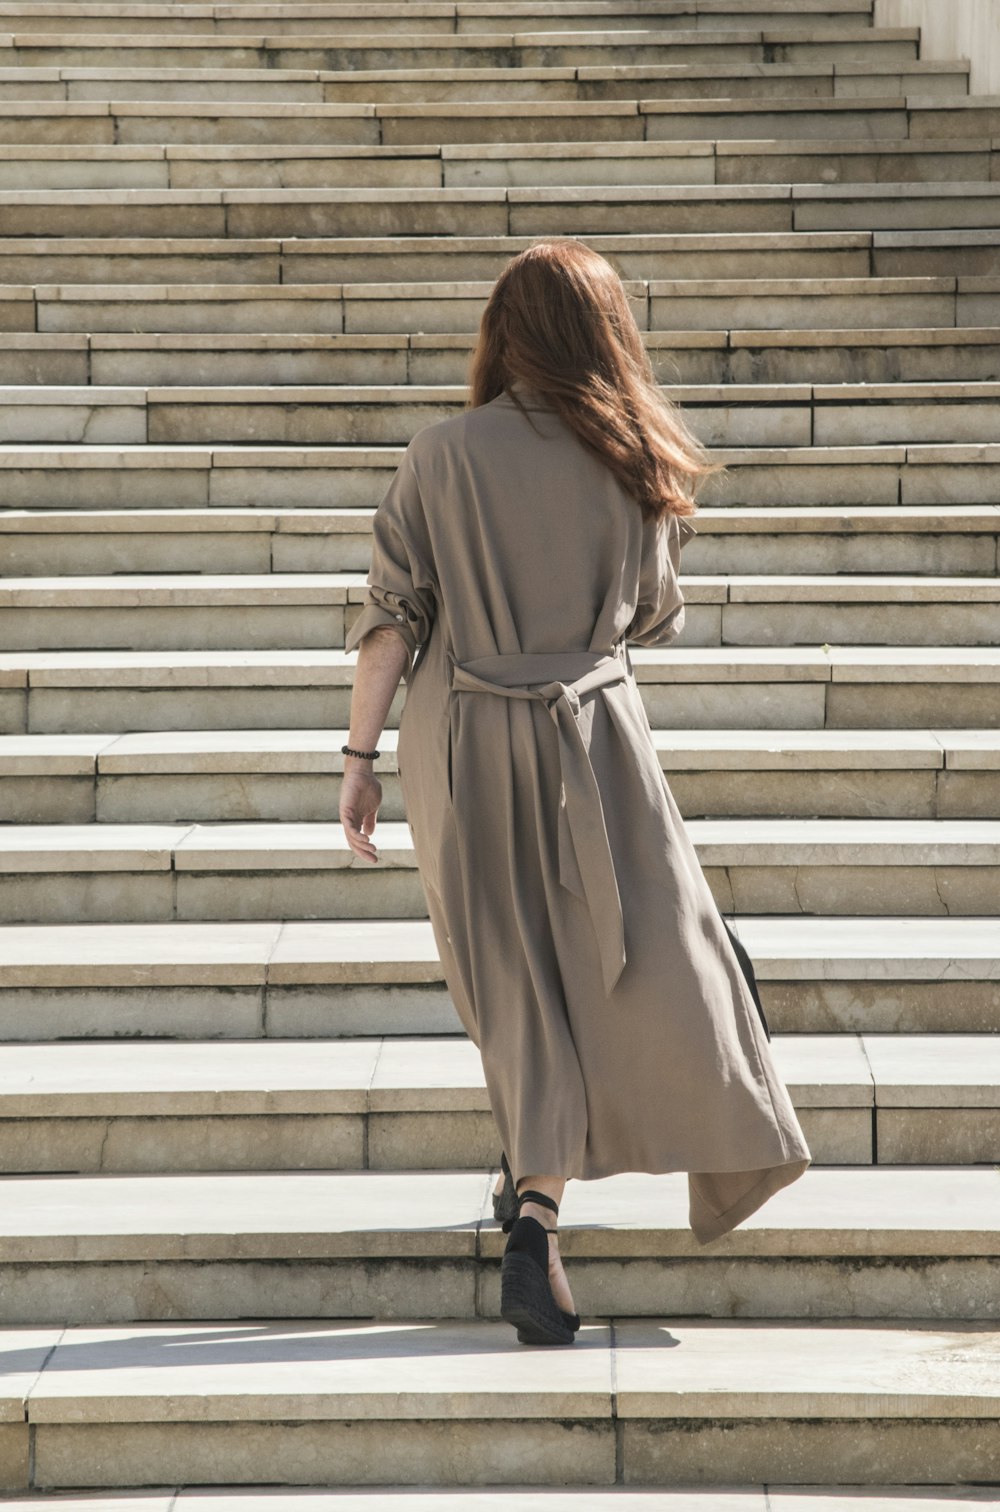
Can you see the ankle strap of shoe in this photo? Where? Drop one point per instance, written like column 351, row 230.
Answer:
column 540, row 1198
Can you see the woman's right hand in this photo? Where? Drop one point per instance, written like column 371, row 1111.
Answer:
column 360, row 800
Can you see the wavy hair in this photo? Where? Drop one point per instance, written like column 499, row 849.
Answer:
column 558, row 322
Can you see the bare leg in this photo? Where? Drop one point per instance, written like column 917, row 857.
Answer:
column 550, row 1186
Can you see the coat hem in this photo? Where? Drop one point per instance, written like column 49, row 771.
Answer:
column 706, row 1228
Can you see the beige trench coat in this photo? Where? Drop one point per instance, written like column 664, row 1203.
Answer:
column 578, row 936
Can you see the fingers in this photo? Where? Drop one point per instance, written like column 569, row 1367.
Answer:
column 359, row 842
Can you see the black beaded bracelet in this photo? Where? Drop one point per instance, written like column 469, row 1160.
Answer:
column 368, row 755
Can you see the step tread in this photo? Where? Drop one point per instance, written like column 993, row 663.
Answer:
column 775, row 1498
column 331, row 668
column 946, row 391
column 784, row 948
column 890, row 1210
column 734, row 520
column 150, row 1078
column 296, row 846
column 613, row 194
column 707, row 339
column 322, row 1369
column 136, row 591
column 461, row 151
column 304, row 751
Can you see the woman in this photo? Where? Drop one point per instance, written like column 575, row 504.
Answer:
column 520, row 545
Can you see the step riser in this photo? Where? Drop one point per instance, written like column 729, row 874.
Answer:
column 231, row 552
column 135, row 418
column 239, row 1011
column 445, row 1140
column 291, row 797
column 53, row 310
column 367, row 20
column 77, row 365
column 286, row 484
column 157, row 1290
column 65, row 50
column 819, row 83
column 846, row 255
column 318, row 623
column 494, row 217
column 943, row 703
column 62, row 115
column 648, row 1452
column 977, row 165
column 158, row 896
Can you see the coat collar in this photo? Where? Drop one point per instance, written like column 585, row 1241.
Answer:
column 529, row 398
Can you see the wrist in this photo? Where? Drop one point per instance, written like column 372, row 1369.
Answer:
column 360, row 754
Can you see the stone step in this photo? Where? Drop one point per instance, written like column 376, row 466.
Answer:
column 806, row 688
column 917, row 1241
column 524, row 165
column 27, row 261
column 293, row 775
column 725, row 415
column 545, row 211
column 400, row 1104
column 313, row 610
column 513, row 48
column 309, row 980
column 338, row 92
column 104, row 478
column 705, row 81
column 64, row 543
column 149, row 873
column 409, row 314
column 254, row 358
column 693, row 1498
column 828, row 1401
column 387, row 19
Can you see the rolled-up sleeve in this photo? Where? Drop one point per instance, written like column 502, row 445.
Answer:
column 402, row 588
column 659, row 615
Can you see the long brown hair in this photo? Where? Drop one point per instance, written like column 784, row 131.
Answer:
column 558, row 322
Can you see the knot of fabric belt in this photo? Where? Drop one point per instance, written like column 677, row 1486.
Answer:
column 559, row 679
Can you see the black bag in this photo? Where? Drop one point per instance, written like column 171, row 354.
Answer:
column 746, row 966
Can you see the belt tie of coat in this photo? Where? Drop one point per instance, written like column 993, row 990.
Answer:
column 559, row 679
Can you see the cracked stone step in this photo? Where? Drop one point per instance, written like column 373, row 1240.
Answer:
column 313, row 980
column 256, row 611
column 526, row 165
column 387, row 19
column 548, row 210
column 724, row 415
column 269, row 1104
column 553, row 47
column 814, row 80
column 124, row 1248
column 845, row 1400
column 188, row 358
column 151, row 873
column 293, row 775
column 55, row 543
column 806, row 688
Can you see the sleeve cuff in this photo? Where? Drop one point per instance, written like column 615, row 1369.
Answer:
column 373, row 615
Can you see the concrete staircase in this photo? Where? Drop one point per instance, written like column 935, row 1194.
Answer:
column 246, row 1250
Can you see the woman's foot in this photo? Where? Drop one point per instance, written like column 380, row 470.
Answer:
column 557, row 1276
column 534, row 1293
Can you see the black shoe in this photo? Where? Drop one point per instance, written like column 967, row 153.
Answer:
column 526, row 1299
column 505, row 1201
